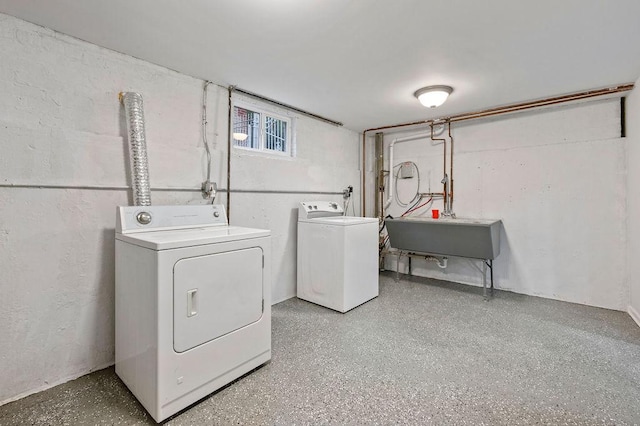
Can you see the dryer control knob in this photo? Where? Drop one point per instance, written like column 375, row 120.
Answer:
column 144, row 218
column 216, row 214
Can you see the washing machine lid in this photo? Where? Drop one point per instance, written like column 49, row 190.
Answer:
column 179, row 238
column 341, row 220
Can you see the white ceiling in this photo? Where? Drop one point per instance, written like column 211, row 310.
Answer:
column 359, row 61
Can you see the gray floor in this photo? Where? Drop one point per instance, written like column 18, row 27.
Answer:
column 424, row 352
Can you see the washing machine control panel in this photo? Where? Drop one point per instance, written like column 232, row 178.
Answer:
column 311, row 209
column 155, row 218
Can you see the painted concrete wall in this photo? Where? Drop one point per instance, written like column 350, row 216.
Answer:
column 556, row 177
column 326, row 161
column 633, row 200
column 61, row 124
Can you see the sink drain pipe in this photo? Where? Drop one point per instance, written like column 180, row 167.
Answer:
column 441, row 262
column 138, row 159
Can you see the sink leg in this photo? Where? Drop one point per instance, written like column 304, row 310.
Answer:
column 491, row 272
column 484, row 280
column 398, row 266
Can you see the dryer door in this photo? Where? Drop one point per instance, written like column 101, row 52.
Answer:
column 214, row 295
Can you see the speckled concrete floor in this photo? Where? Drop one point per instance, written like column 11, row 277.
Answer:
column 424, row 352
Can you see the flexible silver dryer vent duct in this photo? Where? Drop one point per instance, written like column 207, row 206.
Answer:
column 134, row 113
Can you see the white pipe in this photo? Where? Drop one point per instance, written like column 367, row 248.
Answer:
column 391, row 175
column 442, row 265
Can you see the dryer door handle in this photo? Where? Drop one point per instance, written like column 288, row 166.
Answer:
column 192, row 302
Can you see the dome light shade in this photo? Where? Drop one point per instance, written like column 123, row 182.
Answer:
column 433, row 96
column 240, row 136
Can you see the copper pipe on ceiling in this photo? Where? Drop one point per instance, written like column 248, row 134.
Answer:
column 540, row 103
column 493, row 112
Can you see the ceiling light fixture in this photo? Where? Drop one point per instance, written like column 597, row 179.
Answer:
column 433, row 96
column 240, row 136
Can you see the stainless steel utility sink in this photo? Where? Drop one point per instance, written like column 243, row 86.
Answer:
column 472, row 238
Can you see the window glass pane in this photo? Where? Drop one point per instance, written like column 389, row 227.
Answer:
column 275, row 134
column 246, row 128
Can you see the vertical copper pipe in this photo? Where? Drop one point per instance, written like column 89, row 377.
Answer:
column 379, row 172
column 363, row 189
column 450, row 169
column 376, row 198
column 444, row 170
column 445, row 188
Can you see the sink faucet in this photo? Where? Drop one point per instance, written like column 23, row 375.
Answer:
column 447, row 212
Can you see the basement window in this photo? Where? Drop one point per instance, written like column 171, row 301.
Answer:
column 260, row 130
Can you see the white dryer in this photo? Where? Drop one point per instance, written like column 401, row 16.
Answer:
column 337, row 256
column 193, row 309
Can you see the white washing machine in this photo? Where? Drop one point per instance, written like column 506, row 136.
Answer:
column 193, row 309
column 337, row 256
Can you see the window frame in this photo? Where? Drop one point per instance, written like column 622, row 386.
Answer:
column 264, row 113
